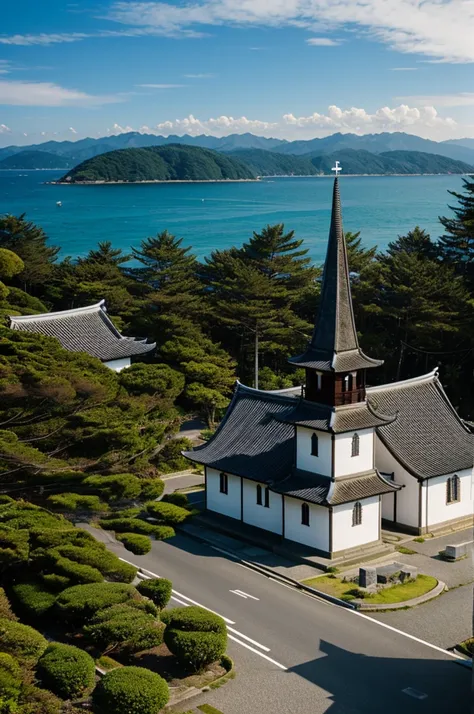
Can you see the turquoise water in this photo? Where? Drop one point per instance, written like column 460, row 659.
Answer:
column 209, row 216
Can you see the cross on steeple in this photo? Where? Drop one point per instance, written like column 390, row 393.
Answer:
column 337, row 168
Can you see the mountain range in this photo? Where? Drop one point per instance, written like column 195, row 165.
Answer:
column 78, row 151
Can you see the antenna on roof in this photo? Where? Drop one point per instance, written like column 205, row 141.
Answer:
column 336, row 168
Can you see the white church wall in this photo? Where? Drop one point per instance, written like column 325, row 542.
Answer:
column 268, row 518
column 226, row 503
column 320, row 464
column 345, row 463
column 118, row 364
column 316, row 534
column 345, row 535
column 435, row 508
column 407, row 497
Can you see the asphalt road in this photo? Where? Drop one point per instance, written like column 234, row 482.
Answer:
column 296, row 654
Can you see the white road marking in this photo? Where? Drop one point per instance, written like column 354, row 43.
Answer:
column 241, row 592
column 415, row 693
column 236, row 592
column 181, row 602
column 252, row 649
column 249, row 639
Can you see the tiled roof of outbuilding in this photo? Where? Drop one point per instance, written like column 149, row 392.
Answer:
column 84, row 329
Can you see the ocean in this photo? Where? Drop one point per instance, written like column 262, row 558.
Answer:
column 219, row 215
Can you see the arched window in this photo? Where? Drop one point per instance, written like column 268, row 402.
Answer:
column 314, row 445
column 223, row 483
column 267, row 498
column 304, row 514
column 355, row 445
column 259, row 495
column 453, row 489
column 357, row 514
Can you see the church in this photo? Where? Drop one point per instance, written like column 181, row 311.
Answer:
column 324, row 464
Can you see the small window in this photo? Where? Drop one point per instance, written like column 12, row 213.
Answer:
column 357, row 514
column 259, row 495
column 319, row 381
column 345, row 383
column 453, row 489
column 314, row 445
column 355, row 445
column 223, row 483
column 304, row 514
column 267, row 497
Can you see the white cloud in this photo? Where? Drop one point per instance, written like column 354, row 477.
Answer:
column 161, row 86
column 219, row 126
column 72, row 130
column 4, row 129
column 117, row 129
column 47, row 94
column 462, row 99
column 322, row 42
column 439, row 29
column 43, row 38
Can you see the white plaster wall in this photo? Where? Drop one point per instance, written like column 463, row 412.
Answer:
column 407, row 497
column 346, row 464
column 118, row 364
column 345, row 535
column 268, row 518
column 227, row 504
column 435, row 505
column 320, row 464
column 316, row 534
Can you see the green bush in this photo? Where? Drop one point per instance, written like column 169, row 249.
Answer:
column 14, row 546
column 127, row 525
column 34, row 700
column 6, row 612
column 79, row 603
column 151, row 488
column 76, row 502
column 131, row 690
column 130, row 512
column 55, row 582
column 177, row 498
column 116, row 487
column 157, row 589
column 135, row 543
column 123, row 625
column 195, row 636
column 21, row 641
column 5, row 499
column 76, row 572
column 97, row 556
column 163, row 532
column 66, row 670
column 33, row 599
column 10, row 681
column 51, row 538
column 167, row 513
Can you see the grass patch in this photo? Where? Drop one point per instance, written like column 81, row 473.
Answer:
column 420, row 539
column 406, row 551
column 207, row 709
column 396, row 593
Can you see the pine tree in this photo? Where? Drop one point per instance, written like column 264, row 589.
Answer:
column 358, row 256
column 457, row 245
column 30, row 243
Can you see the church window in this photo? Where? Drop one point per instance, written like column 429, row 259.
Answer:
column 223, row 483
column 259, row 495
column 267, row 498
column 355, row 445
column 453, row 489
column 314, row 445
column 304, row 514
column 319, row 381
column 357, row 514
column 345, row 383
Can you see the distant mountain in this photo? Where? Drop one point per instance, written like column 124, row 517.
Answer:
column 159, row 163
column 468, row 143
column 35, row 160
column 269, row 163
column 390, row 162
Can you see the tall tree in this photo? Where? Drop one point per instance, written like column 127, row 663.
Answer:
column 358, row 256
column 30, row 243
column 457, row 244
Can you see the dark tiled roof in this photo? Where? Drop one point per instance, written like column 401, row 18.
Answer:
column 334, row 344
column 85, row 329
column 319, row 489
column 337, row 420
column 428, row 437
column 250, row 442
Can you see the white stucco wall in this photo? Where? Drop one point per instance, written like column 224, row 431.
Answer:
column 118, row 364
column 320, row 464
column 255, row 515
column 344, row 462
column 345, row 535
column 407, row 497
column 316, row 534
column 227, row 504
column 434, row 499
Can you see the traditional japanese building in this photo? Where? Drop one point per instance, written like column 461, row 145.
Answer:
column 324, row 466
column 86, row 329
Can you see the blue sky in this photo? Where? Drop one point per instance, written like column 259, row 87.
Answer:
column 287, row 68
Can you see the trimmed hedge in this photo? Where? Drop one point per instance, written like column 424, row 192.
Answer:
column 51, row 538
column 14, row 546
column 157, row 589
column 55, row 582
column 136, row 525
column 135, row 543
column 33, row 599
column 10, row 682
column 76, row 501
column 66, row 670
column 121, row 624
column 5, row 499
column 21, row 640
column 115, row 487
column 131, row 690
column 6, row 612
column 195, row 636
column 151, row 488
column 177, row 498
column 97, row 556
column 81, row 602
column 76, row 572
column 167, row 513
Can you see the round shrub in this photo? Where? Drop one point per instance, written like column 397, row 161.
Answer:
column 151, row 488
column 98, row 557
column 135, row 543
column 66, row 670
column 195, row 636
column 123, row 625
column 51, row 538
column 167, row 513
column 75, row 502
column 21, row 641
column 177, row 498
column 10, row 679
column 80, row 602
column 77, row 572
column 115, row 487
column 157, row 589
column 131, row 690
column 33, row 599
column 163, row 532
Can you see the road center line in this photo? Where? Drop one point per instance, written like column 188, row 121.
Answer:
column 260, row 654
column 244, row 594
column 237, row 592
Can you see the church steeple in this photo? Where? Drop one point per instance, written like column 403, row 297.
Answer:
column 334, row 346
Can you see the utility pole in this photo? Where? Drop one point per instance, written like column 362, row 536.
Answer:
column 256, row 359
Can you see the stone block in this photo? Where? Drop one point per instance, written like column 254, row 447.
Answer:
column 408, row 572
column 367, row 577
column 455, row 552
column 386, row 572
